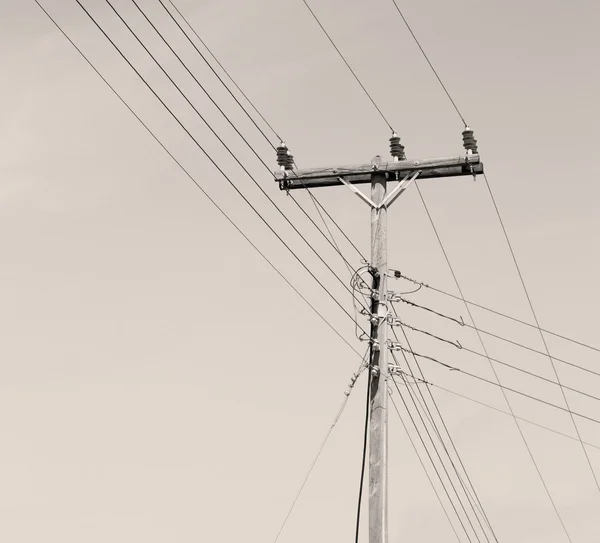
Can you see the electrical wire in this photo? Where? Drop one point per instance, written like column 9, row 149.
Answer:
column 364, row 457
column 348, row 65
column 196, row 183
column 429, row 62
column 522, row 370
column 287, row 219
column 537, row 324
column 227, row 178
column 363, row 364
column 218, row 63
column 507, row 413
column 434, row 466
column 412, row 442
column 447, row 431
column 500, row 314
column 315, row 201
column 498, row 383
column 461, row 322
column 502, row 387
column 501, row 338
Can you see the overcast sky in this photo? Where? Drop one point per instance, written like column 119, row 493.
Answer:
column 160, row 382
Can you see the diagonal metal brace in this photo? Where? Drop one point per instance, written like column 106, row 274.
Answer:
column 399, row 189
column 389, row 199
column 359, row 193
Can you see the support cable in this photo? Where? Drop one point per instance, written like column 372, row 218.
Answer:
column 537, row 324
column 196, row 183
column 502, row 388
column 227, row 178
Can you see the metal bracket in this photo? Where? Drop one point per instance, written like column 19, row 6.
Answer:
column 391, row 197
column 359, row 193
column 399, row 189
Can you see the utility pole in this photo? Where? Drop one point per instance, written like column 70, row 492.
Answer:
column 379, row 173
column 378, row 448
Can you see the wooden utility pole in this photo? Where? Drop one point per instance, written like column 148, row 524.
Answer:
column 379, row 173
column 378, row 448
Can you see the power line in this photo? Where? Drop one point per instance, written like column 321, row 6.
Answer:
column 435, row 427
column 434, row 466
column 314, row 462
column 507, row 413
column 219, row 64
column 503, row 387
column 460, row 346
column 533, row 312
column 348, row 65
column 461, row 322
column 532, row 349
column 227, row 178
column 439, row 476
column 476, row 496
column 446, row 451
column 220, row 140
column 429, row 62
column 364, row 456
column 500, row 314
column 516, row 368
column 498, row 383
column 196, row 183
column 410, row 439
column 243, row 109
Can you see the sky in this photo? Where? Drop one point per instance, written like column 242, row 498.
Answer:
column 159, row 381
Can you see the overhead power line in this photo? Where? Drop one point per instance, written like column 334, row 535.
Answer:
column 218, row 63
column 537, row 324
column 506, row 413
column 231, row 153
column 227, row 178
column 439, row 475
column 475, row 498
column 348, row 65
column 496, row 376
column 324, row 442
column 196, row 183
column 504, row 387
column 412, row 442
column 429, row 62
column 313, row 197
column 236, row 130
column 499, row 313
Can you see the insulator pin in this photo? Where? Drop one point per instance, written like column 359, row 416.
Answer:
column 284, row 159
column 469, row 141
column 396, row 148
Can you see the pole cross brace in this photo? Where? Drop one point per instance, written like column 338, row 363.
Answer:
column 391, row 197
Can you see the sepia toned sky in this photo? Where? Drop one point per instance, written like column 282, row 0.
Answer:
column 160, row 382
